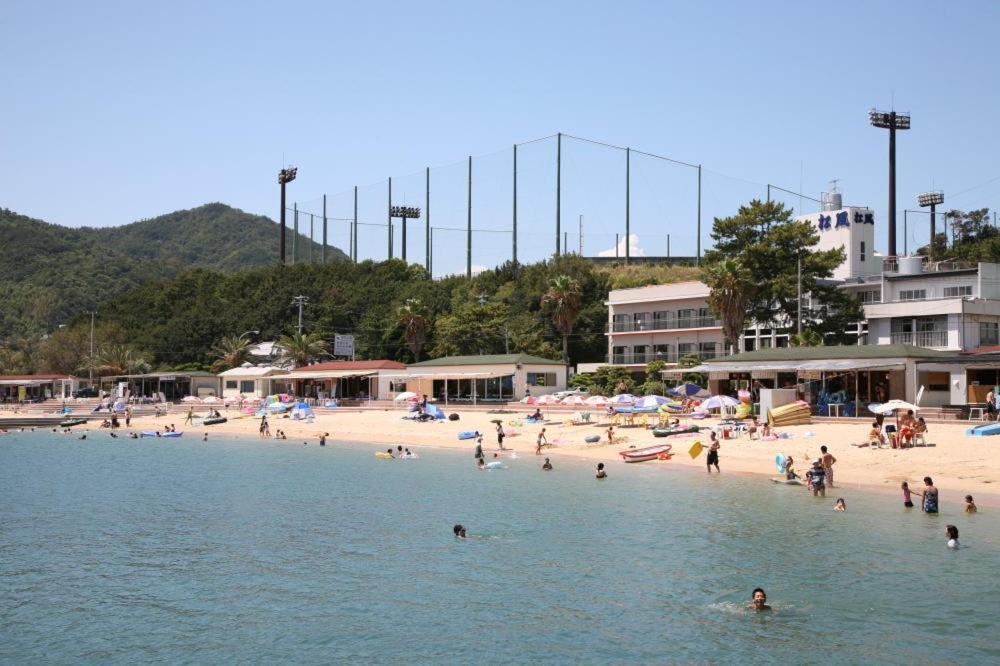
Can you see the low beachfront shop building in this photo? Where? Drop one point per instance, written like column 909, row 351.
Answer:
column 249, row 381
column 837, row 381
column 164, row 386
column 343, row 380
column 486, row 378
column 21, row 388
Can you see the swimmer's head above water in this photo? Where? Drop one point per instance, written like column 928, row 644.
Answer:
column 459, row 531
column 759, row 600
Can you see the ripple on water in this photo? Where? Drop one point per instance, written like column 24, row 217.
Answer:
column 263, row 552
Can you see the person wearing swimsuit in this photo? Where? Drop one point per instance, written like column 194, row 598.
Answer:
column 907, row 502
column 930, row 496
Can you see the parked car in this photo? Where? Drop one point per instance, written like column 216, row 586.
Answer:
column 86, row 392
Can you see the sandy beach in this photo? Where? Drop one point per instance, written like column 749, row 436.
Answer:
column 959, row 464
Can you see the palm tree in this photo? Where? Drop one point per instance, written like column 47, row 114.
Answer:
column 303, row 348
column 116, row 360
column 412, row 316
column 807, row 338
column 563, row 301
column 732, row 286
column 231, row 351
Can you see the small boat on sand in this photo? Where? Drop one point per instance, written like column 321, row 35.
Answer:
column 648, row 453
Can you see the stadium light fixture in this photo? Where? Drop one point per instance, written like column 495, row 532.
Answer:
column 931, row 200
column 892, row 121
column 285, row 176
column 405, row 213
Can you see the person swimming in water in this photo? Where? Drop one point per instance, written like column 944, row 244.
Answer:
column 952, row 533
column 547, row 465
column 970, row 505
column 459, row 531
column 759, row 600
column 841, row 505
column 601, row 474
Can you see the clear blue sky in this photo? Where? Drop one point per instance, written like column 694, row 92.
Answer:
column 114, row 112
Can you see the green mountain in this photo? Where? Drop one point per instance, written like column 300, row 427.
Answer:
column 50, row 274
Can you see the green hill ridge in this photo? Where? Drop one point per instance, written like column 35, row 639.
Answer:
column 50, row 273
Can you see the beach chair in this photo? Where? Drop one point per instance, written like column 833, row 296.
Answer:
column 918, row 439
column 644, row 421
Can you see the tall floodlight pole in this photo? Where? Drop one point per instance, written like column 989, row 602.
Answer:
column 285, row 176
column 295, row 231
column 628, row 205
column 388, row 210
column 354, row 228
column 92, row 313
column 427, row 221
column 892, row 121
column 513, row 254
column 698, row 230
column 405, row 213
column 931, row 200
column 468, row 233
column 558, row 188
column 312, row 230
column 324, row 228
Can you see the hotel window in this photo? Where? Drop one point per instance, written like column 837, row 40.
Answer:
column 749, row 344
column 989, row 333
column 663, row 319
column 639, row 353
column 765, row 343
column 642, row 320
column 621, row 323
column 662, row 352
column 869, row 296
column 231, row 384
column 913, row 295
column 954, row 292
column 685, row 349
column 246, row 386
column 542, row 378
column 706, row 350
column 862, row 250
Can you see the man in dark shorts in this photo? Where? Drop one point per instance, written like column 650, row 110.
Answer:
column 817, row 478
column 713, row 455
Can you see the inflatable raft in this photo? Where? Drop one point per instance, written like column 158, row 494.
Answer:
column 678, row 430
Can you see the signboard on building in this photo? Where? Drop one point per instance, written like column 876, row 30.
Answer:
column 343, row 345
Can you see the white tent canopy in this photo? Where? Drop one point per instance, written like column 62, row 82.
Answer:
column 791, row 366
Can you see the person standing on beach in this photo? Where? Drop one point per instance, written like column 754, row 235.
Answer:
column 713, row 453
column 190, row 416
column 828, row 461
column 128, row 417
column 500, row 435
column 478, row 455
column 611, row 435
column 322, row 438
column 539, row 441
column 265, row 429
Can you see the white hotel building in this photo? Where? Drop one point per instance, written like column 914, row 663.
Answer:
column 941, row 306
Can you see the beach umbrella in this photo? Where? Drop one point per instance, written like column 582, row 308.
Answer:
column 622, row 399
column 573, row 400
column 892, row 406
column 231, row 399
column 689, row 390
column 190, row 398
column 547, row 399
column 211, row 400
column 596, row 400
column 528, row 400
column 719, row 401
column 651, row 401
column 406, row 395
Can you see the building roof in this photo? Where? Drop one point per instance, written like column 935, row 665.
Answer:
column 487, row 359
column 931, row 274
column 251, row 371
column 34, row 377
column 351, row 365
column 831, row 353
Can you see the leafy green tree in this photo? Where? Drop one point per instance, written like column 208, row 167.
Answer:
column 563, row 301
column 732, row 287
column 769, row 245
column 117, row 359
column 691, row 361
column 231, row 351
column 304, row 348
column 413, row 317
column 807, row 338
column 654, row 384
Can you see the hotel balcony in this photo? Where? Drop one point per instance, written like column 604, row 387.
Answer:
column 662, row 325
column 631, row 358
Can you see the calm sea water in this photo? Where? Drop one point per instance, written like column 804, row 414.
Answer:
column 243, row 551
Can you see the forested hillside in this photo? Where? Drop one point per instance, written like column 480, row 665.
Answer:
column 50, row 274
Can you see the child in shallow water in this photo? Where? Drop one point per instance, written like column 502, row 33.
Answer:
column 970, row 505
column 907, row 502
column 841, row 505
column 952, row 533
